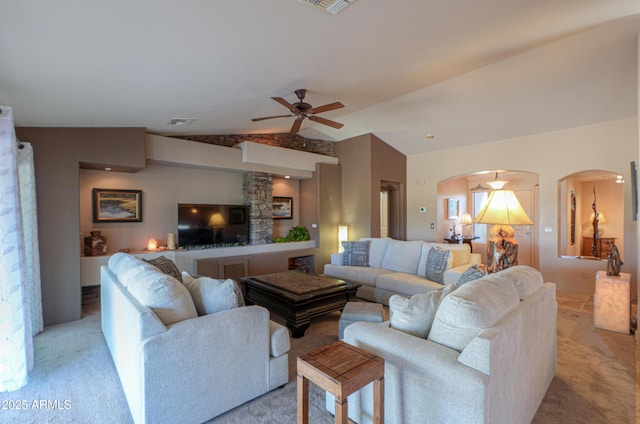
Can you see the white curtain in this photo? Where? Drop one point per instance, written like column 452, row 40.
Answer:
column 20, row 295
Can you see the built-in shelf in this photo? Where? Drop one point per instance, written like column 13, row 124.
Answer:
column 186, row 259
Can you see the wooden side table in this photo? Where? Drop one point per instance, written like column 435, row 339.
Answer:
column 341, row 369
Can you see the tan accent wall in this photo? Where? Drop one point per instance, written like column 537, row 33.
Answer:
column 354, row 155
column 388, row 166
column 321, row 206
column 367, row 163
column 58, row 155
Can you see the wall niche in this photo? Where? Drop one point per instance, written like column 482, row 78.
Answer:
column 578, row 193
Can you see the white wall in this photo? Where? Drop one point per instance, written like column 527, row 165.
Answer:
column 609, row 146
column 163, row 187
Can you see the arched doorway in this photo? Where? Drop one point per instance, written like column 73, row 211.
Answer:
column 472, row 190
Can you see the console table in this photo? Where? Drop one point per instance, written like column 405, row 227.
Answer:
column 467, row 240
column 602, row 247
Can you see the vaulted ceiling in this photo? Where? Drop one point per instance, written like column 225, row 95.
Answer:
column 464, row 71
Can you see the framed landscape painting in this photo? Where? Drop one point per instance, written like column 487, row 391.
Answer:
column 452, row 209
column 282, row 208
column 114, row 205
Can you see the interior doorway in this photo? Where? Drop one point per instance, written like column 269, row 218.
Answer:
column 391, row 217
column 384, row 215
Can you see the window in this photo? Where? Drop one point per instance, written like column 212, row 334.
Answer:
column 479, row 230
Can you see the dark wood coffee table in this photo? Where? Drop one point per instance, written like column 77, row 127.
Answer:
column 297, row 296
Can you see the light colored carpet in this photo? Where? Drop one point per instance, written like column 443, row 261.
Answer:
column 595, row 381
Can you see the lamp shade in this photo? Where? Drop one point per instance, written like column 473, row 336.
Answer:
column 466, row 219
column 216, row 220
column 503, row 208
column 601, row 218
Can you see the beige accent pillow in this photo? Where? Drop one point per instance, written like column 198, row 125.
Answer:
column 127, row 267
column 402, row 256
column 526, row 279
column 461, row 255
column 415, row 315
column 473, row 307
column 377, row 249
column 210, row 295
column 166, row 296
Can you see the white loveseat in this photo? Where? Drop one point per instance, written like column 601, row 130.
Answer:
column 489, row 357
column 398, row 267
column 175, row 366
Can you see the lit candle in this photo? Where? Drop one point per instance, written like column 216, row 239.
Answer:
column 152, row 244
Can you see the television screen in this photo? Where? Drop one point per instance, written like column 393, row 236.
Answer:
column 204, row 226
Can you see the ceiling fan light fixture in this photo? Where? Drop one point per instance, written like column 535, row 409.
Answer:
column 332, row 6
column 497, row 184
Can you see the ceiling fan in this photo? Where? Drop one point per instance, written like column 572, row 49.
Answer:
column 303, row 110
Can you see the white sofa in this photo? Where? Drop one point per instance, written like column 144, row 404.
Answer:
column 489, row 357
column 175, row 366
column 398, row 267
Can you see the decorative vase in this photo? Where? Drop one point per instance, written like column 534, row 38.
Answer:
column 95, row 245
column 171, row 241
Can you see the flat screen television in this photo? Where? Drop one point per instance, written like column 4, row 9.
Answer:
column 205, row 226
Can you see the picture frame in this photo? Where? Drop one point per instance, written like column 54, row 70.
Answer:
column 237, row 215
column 453, row 209
column 116, row 205
column 282, row 208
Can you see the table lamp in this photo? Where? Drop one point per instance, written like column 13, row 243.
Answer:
column 216, row 222
column 502, row 210
column 466, row 220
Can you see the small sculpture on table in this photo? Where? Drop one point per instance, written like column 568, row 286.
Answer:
column 614, row 263
column 596, row 218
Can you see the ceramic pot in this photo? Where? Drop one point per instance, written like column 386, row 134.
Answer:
column 95, row 245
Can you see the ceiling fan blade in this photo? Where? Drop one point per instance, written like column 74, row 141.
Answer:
column 296, row 126
column 325, row 108
column 324, row 121
column 286, row 104
column 270, row 117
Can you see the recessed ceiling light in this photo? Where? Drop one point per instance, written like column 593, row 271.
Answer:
column 287, row 176
column 181, row 121
column 107, row 169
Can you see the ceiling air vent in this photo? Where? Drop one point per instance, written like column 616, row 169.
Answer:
column 331, row 6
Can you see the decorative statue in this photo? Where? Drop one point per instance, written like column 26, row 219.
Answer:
column 614, row 263
column 596, row 217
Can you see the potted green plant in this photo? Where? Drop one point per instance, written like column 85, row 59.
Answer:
column 297, row 233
